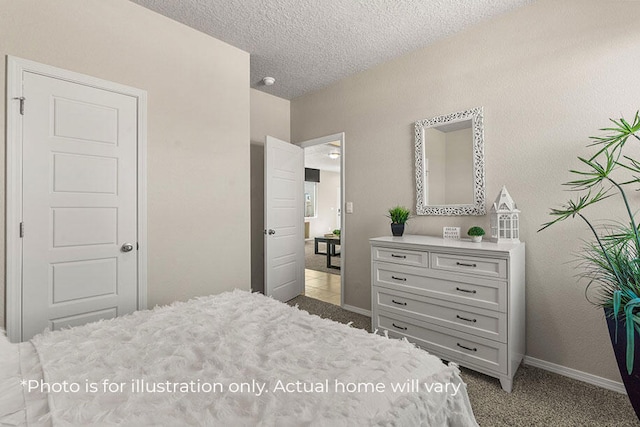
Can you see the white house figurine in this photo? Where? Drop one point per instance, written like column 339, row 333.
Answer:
column 505, row 225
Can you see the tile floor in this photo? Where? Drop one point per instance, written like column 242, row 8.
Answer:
column 322, row 286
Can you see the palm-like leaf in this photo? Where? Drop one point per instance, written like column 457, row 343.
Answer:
column 611, row 263
column 597, row 173
column 573, row 208
column 632, row 166
column 619, row 135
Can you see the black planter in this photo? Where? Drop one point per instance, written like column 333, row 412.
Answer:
column 397, row 229
column 631, row 382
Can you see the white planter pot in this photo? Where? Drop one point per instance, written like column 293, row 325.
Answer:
column 476, row 239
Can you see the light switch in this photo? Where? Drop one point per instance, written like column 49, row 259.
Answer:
column 349, row 207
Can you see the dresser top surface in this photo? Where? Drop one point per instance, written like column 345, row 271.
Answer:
column 415, row 240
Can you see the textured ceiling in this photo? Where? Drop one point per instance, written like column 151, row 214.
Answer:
column 317, row 157
column 307, row 45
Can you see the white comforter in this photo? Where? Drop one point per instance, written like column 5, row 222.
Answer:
column 241, row 359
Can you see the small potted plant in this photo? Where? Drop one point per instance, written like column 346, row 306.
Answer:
column 399, row 215
column 476, row 234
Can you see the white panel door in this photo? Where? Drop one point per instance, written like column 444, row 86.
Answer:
column 79, row 204
column 284, row 219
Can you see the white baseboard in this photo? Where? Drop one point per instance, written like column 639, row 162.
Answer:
column 357, row 310
column 605, row 383
column 575, row 374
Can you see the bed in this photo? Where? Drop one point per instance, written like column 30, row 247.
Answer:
column 238, row 359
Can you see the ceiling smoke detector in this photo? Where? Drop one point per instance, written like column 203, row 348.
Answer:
column 268, row 81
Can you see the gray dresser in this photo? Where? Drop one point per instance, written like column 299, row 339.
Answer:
column 461, row 301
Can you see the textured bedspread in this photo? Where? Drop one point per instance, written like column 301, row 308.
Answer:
column 243, row 359
column 18, row 363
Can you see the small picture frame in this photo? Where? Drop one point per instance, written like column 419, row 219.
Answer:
column 452, row 233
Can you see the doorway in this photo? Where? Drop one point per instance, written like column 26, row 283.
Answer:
column 324, row 219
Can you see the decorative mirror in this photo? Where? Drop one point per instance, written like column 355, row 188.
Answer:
column 450, row 164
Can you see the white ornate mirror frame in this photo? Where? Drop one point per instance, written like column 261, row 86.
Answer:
column 477, row 207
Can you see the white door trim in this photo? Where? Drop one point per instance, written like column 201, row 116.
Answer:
column 343, row 236
column 13, row 215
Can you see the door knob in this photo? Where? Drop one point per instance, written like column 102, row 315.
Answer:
column 272, row 231
column 127, row 247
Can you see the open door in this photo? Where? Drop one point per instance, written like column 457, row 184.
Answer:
column 283, row 219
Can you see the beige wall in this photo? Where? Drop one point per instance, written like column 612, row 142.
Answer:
column 198, row 128
column 328, row 189
column 270, row 115
column 548, row 76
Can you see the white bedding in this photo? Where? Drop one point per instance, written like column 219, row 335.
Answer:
column 17, row 407
column 293, row 366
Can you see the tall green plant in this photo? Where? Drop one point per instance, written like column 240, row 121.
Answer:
column 610, row 261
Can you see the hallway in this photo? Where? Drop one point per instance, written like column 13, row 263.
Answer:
column 322, row 286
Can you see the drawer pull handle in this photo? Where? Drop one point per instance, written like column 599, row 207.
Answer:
column 466, row 290
column 402, row 279
column 398, row 302
column 466, row 348
column 398, row 256
column 466, row 319
column 464, row 264
column 399, row 327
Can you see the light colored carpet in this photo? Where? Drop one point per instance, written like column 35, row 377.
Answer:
column 539, row 397
column 318, row 262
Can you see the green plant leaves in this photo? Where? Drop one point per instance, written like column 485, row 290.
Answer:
column 476, row 231
column 574, row 207
column 399, row 214
column 596, row 175
column 611, row 262
column 619, row 134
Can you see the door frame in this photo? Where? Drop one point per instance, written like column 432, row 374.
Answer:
column 16, row 67
column 343, row 235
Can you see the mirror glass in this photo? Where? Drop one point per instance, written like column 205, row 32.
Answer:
column 310, row 199
column 450, row 164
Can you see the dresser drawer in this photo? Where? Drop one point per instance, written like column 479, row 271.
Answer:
column 484, row 323
column 452, row 345
column 477, row 292
column 401, row 256
column 461, row 301
column 478, row 266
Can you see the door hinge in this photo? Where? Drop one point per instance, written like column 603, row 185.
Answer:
column 21, row 99
column 21, row 229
